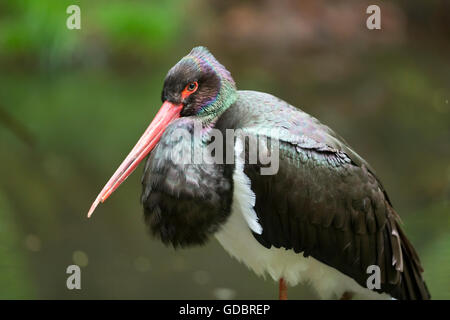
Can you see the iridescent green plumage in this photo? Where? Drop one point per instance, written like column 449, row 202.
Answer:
column 201, row 61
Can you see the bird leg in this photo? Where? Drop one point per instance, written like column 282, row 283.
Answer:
column 283, row 290
column 347, row 296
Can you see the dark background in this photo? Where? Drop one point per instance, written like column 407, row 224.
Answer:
column 74, row 102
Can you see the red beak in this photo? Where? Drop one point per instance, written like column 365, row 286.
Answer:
column 146, row 143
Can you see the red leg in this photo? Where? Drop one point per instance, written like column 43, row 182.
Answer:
column 347, row 296
column 283, row 290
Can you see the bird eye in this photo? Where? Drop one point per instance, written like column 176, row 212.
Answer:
column 192, row 86
column 189, row 89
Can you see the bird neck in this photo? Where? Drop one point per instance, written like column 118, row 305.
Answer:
column 225, row 97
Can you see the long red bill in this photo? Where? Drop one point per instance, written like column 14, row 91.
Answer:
column 146, row 143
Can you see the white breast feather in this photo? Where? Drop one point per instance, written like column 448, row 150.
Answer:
column 236, row 237
column 243, row 196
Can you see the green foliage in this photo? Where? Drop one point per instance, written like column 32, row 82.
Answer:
column 37, row 29
column 438, row 267
column 151, row 25
column 15, row 280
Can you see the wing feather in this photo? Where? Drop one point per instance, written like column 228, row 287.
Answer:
column 336, row 212
column 337, row 209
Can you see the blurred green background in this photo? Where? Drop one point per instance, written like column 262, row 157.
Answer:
column 74, row 102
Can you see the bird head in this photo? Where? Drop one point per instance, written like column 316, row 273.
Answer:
column 198, row 86
column 201, row 84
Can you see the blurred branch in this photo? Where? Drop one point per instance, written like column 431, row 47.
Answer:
column 16, row 128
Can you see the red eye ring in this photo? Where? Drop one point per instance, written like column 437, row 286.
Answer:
column 189, row 89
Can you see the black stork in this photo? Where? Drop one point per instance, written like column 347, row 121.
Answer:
column 323, row 217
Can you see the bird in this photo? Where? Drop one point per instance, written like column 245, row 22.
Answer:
column 323, row 218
